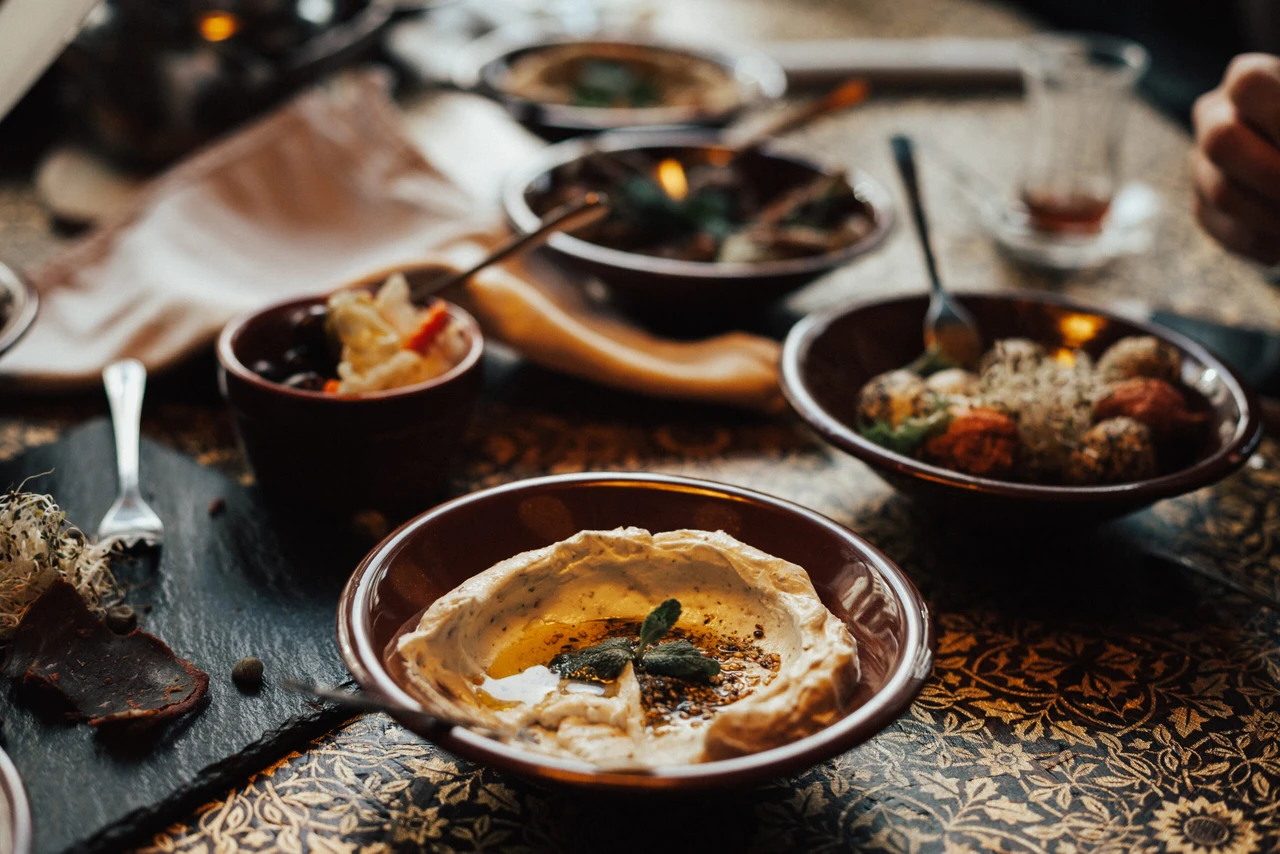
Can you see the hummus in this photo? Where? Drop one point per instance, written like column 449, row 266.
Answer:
column 789, row 666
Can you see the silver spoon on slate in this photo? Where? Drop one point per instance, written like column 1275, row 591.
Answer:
column 360, row 702
column 130, row 520
column 949, row 329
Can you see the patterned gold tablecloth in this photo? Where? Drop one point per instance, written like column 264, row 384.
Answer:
column 1082, row 699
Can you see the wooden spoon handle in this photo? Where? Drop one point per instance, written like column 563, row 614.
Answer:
column 568, row 217
column 848, row 94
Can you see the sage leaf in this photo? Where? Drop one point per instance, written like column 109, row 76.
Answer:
column 680, row 659
column 604, row 661
column 660, row 621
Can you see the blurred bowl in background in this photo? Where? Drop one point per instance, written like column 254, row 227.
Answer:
column 147, row 81
column 494, row 64
column 19, row 304
column 648, row 282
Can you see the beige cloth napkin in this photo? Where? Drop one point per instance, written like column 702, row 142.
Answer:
column 324, row 192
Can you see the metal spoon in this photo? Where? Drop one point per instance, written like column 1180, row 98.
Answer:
column 130, row 520
column 949, row 329
column 360, row 702
column 848, row 94
column 367, row 703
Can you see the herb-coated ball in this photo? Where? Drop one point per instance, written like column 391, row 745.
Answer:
column 893, row 397
column 953, row 382
column 1141, row 356
column 1012, row 354
column 1156, row 404
column 1117, row 450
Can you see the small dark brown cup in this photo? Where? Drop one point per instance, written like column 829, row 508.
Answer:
column 828, row 357
column 387, row 451
column 437, row 551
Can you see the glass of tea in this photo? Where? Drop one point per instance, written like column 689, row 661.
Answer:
column 1078, row 89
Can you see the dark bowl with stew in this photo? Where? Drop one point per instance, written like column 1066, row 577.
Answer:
column 437, row 551
column 829, row 356
column 487, row 64
column 658, row 284
column 387, row 451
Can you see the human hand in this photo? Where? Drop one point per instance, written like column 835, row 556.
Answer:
column 1235, row 165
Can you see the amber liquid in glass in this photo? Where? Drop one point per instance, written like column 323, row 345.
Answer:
column 1063, row 213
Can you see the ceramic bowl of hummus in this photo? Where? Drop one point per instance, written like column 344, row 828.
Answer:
column 636, row 631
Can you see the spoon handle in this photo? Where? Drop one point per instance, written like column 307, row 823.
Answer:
column 125, row 381
column 360, row 702
column 569, row 217
column 904, row 155
column 848, row 94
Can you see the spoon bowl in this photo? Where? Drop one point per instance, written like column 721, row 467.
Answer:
column 950, row 331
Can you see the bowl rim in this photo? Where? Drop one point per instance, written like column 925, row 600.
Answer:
column 26, row 304
column 1226, row 459
column 14, row 793
column 871, row 192
column 760, row 75
column 903, row 683
column 228, row 359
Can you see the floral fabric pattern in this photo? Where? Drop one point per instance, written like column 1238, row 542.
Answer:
column 1083, row 699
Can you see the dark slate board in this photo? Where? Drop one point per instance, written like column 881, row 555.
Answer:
column 247, row 582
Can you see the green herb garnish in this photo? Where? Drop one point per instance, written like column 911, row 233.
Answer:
column 602, row 661
column 607, row 659
column 642, row 201
column 656, row 626
column 908, row 435
column 609, row 83
column 682, row 660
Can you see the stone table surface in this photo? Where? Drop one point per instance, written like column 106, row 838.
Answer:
column 1073, row 707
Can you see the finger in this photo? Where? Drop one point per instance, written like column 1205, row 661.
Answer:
column 1231, row 198
column 1235, row 236
column 1252, row 84
column 1236, row 149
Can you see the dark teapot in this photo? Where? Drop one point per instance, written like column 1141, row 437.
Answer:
column 146, row 81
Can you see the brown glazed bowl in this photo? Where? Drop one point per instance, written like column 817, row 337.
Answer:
column 19, row 304
column 828, row 357
column 645, row 281
column 16, row 824
column 443, row 547
column 387, row 451
column 484, row 65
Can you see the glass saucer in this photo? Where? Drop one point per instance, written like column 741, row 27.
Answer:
column 1129, row 229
